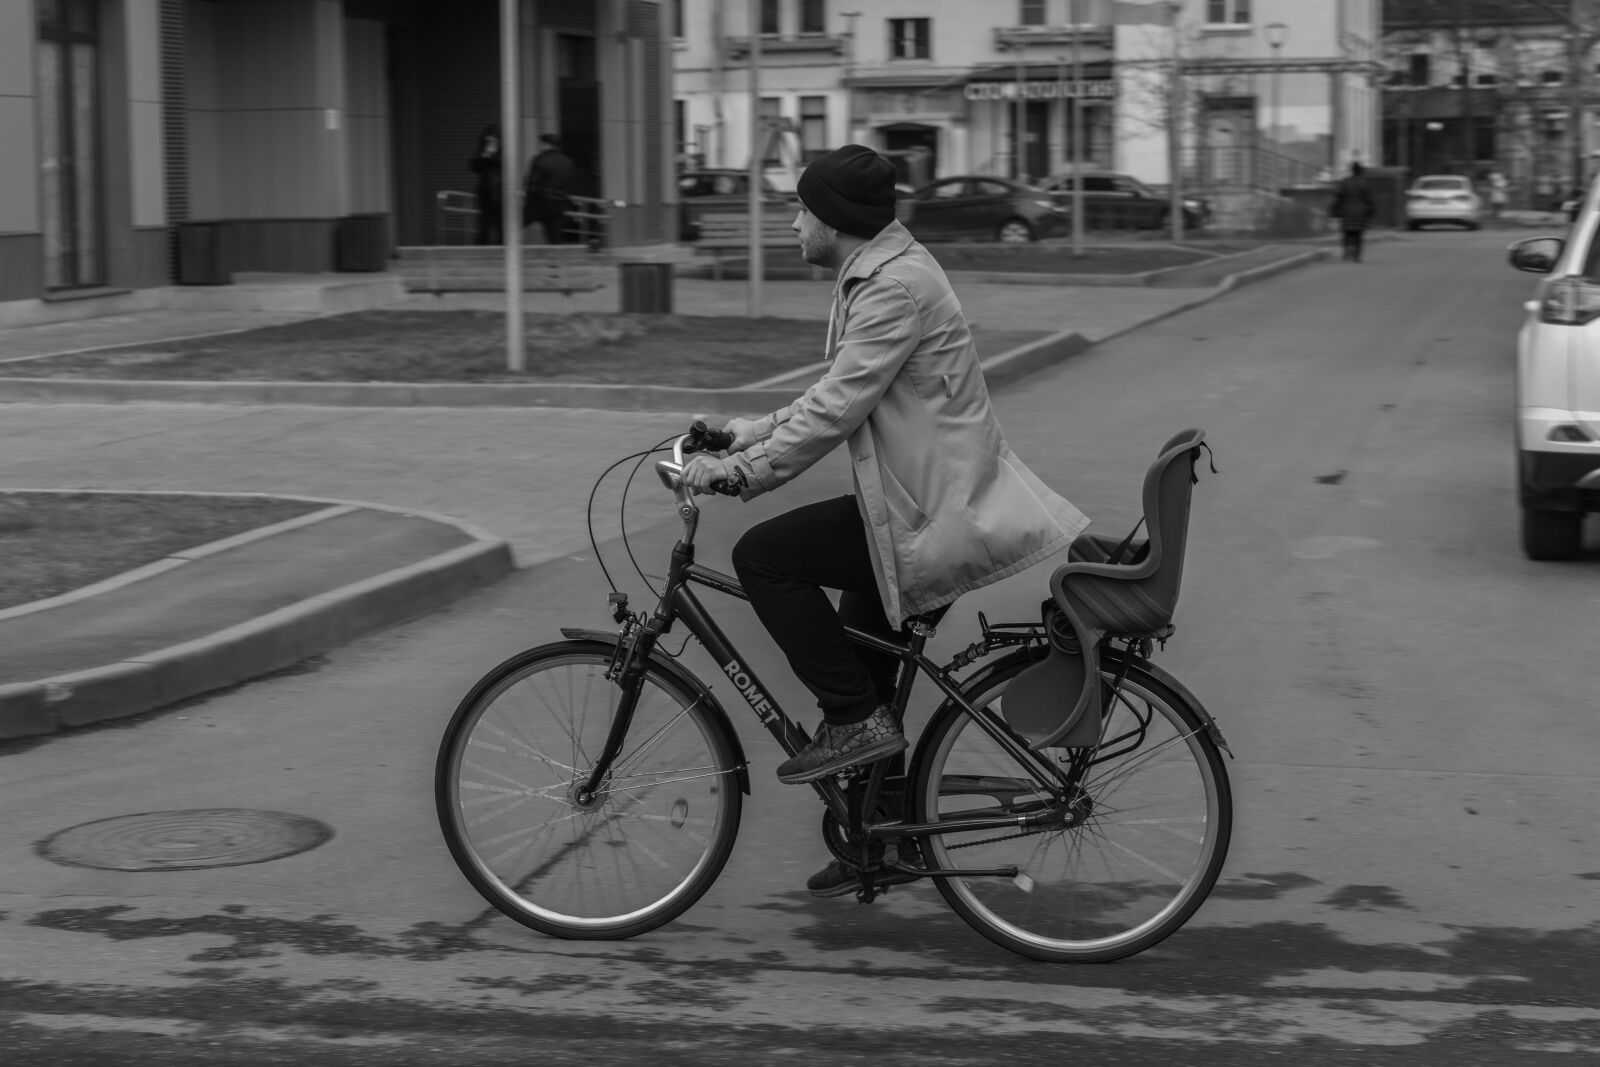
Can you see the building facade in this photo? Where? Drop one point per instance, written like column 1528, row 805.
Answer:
column 273, row 133
column 952, row 86
column 1272, row 93
column 1495, row 85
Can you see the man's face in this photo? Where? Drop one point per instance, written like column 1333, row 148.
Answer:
column 819, row 242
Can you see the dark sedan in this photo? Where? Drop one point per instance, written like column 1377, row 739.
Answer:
column 982, row 208
column 1119, row 202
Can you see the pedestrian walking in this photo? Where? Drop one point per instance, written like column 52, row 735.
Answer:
column 486, row 164
column 1497, row 193
column 545, row 198
column 1354, row 207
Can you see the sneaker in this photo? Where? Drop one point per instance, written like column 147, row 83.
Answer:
column 836, row 748
column 835, row 880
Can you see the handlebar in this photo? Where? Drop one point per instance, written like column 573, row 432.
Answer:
column 700, row 438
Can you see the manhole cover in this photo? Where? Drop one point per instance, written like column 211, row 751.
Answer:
column 184, row 840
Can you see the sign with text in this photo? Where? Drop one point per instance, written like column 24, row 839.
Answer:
column 1101, row 88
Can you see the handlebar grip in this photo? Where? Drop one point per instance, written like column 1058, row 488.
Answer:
column 706, row 439
column 730, row 486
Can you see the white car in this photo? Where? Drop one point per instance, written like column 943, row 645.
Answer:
column 1558, row 387
column 1443, row 198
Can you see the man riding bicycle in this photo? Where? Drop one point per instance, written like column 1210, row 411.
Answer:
column 941, row 503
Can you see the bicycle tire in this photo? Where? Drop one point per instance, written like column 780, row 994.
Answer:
column 1154, row 831
column 638, row 856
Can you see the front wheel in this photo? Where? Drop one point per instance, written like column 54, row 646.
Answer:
column 1014, row 232
column 1552, row 535
column 1127, row 854
column 636, row 854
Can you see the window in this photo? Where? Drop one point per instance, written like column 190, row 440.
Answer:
column 1419, row 69
column 909, row 38
column 1031, row 13
column 769, row 17
column 1228, row 12
column 813, row 127
column 813, row 16
column 947, row 191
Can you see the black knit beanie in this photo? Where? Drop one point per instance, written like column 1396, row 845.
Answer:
column 850, row 189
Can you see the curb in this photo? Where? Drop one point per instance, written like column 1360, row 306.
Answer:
column 1021, row 362
column 259, row 646
column 1005, row 367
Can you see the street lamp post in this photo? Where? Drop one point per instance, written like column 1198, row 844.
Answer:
column 1076, row 103
column 1276, row 33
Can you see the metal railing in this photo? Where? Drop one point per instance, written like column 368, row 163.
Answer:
column 456, row 219
column 1221, row 168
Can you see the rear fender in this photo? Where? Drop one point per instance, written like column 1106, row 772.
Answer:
column 682, row 675
column 1113, row 660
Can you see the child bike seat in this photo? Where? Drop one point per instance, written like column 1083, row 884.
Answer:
column 1107, row 588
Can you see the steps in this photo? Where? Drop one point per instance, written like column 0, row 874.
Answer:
column 481, row 268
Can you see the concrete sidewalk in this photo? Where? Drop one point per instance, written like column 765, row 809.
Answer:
column 384, row 548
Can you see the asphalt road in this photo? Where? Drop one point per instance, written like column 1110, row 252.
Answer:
column 1413, row 878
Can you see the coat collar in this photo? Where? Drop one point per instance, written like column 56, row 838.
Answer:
column 867, row 260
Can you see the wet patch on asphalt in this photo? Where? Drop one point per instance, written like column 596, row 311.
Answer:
column 1365, row 898
column 1261, row 886
column 1494, row 964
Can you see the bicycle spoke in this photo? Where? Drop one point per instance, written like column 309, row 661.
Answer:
column 632, row 855
column 1134, row 852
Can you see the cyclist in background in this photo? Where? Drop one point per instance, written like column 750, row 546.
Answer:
column 941, row 504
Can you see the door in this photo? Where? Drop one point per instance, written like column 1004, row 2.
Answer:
column 578, row 101
column 987, row 206
column 941, row 210
column 1227, row 137
column 69, row 143
column 1036, row 142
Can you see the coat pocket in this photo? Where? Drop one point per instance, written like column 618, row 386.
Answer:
column 901, row 506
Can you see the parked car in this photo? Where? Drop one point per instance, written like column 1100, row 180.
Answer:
column 1120, row 202
column 1443, row 198
column 722, row 190
column 1558, row 387
column 982, row 208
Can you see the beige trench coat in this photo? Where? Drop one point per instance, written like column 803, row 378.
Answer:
column 948, row 506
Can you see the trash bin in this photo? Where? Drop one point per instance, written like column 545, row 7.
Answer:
column 201, row 257
column 361, row 242
column 646, row 288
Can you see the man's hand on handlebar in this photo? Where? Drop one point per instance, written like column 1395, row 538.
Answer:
column 743, row 432
column 711, row 474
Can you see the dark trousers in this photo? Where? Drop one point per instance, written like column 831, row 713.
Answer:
column 490, row 220
column 784, row 565
column 1352, row 244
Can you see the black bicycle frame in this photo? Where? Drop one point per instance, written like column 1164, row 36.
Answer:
column 679, row 602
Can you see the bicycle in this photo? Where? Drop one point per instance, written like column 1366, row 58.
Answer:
column 592, row 788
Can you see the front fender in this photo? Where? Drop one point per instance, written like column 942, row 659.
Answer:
column 682, row 675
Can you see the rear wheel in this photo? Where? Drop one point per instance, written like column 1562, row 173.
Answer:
column 1552, row 535
column 1124, row 858
column 1014, row 232
column 636, row 854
